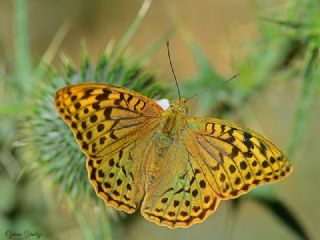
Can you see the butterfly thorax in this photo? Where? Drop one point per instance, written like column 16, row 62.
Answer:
column 171, row 121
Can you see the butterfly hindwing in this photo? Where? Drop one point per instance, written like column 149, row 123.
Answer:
column 235, row 159
column 118, row 177
column 179, row 195
column 108, row 123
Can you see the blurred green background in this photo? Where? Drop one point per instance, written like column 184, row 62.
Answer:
column 273, row 45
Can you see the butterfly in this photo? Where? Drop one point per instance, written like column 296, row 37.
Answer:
column 174, row 167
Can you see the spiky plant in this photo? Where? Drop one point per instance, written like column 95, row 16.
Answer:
column 58, row 153
column 58, row 156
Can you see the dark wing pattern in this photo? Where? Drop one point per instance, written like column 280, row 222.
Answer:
column 234, row 158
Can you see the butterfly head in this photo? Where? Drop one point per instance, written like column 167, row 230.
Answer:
column 179, row 106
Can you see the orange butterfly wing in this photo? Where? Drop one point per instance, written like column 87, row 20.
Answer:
column 108, row 123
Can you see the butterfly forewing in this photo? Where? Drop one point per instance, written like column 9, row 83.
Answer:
column 108, row 123
column 235, row 159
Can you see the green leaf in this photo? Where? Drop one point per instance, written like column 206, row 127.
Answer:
column 311, row 83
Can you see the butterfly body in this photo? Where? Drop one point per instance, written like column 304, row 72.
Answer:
column 174, row 167
column 172, row 119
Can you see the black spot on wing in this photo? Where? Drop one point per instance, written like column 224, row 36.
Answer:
column 247, row 141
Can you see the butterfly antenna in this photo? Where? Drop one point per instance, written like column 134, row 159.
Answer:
column 174, row 75
column 230, row 79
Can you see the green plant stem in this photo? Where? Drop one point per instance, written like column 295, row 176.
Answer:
column 23, row 66
column 132, row 29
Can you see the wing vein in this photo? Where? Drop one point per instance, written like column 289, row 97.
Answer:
column 231, row 185
column 201, row 157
